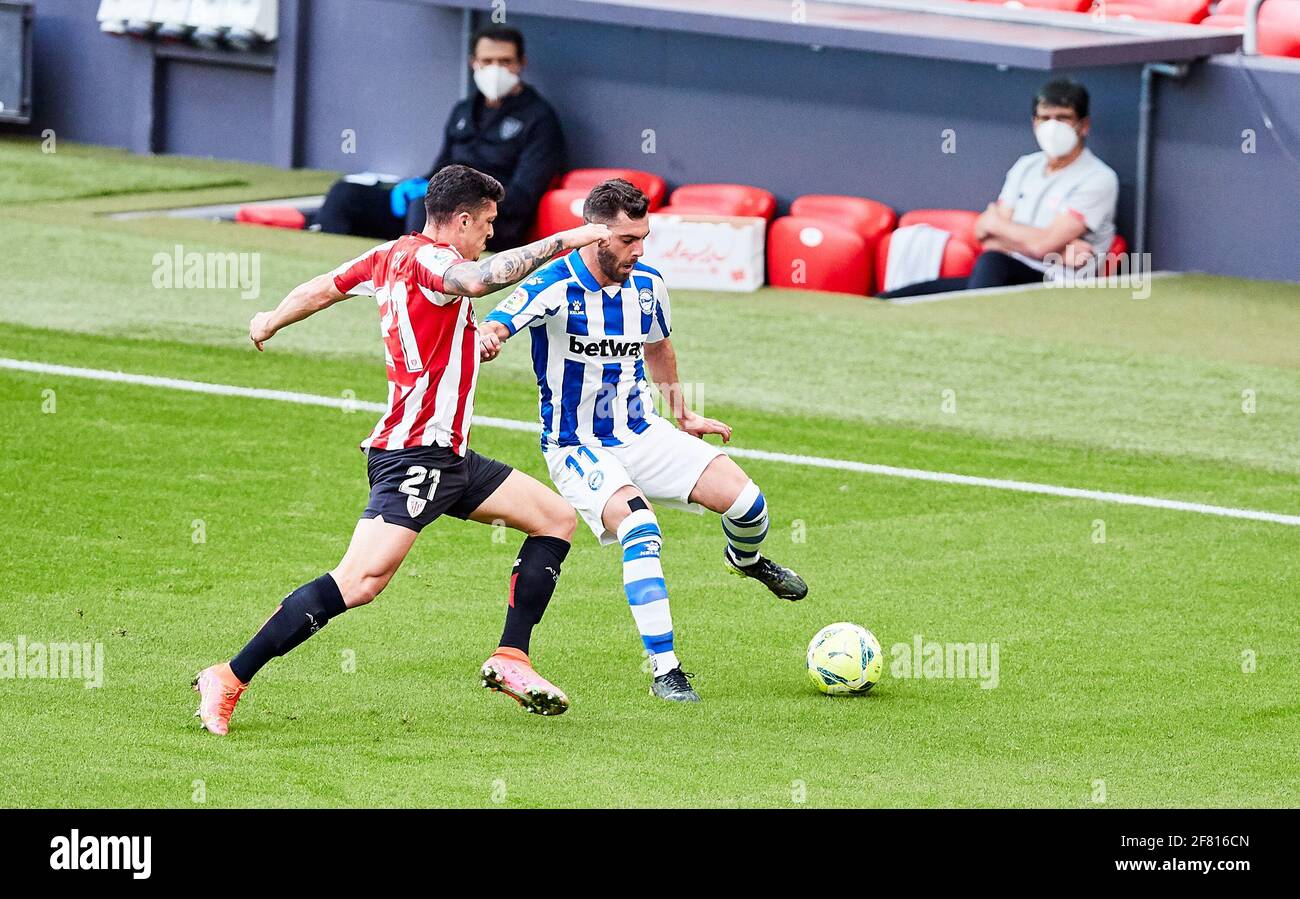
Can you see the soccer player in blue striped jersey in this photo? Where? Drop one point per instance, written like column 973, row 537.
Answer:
column 599, row 321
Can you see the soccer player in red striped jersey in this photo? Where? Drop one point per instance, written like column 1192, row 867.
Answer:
column 418, row 459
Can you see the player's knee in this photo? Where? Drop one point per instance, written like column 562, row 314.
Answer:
column 359, row 586
column 620, row 506
column 558, row 520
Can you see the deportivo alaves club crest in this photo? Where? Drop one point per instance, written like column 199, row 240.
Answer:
column 646, row 297
column 415, row 505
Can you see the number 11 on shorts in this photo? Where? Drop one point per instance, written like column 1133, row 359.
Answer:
column 572, row 462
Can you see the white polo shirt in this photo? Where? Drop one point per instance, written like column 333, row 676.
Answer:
column 1087, row 188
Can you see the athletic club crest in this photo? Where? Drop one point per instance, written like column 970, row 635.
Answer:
column 510, row 127
column 646, row 297
column 415, row 505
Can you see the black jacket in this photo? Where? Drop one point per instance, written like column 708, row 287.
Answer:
column 519, row 143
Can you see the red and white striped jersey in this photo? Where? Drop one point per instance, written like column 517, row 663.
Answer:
column 430, row 342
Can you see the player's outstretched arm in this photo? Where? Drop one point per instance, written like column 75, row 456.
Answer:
column 476, row 279
column 661, row 359
column 304, row 300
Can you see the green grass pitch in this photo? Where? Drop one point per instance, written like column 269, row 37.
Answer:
column 1146, row 657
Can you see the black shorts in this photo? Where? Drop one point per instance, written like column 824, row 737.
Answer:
column 412, row 487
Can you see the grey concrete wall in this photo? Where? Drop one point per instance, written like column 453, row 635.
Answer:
column 84, row 86
column 796, row 120
column 789, row 118
column 200, row 115
column 388, row 71
column 1214, row 206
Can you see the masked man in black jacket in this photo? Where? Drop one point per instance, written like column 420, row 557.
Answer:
column 504, row 129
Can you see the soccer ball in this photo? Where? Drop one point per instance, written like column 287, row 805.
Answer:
column 844, row 659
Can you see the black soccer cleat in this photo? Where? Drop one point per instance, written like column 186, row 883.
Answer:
column 673, row 686
column 783, row 582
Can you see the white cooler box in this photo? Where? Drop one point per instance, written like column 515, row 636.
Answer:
column 707, row 252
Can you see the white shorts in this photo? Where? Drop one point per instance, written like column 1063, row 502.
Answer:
column 663, row 463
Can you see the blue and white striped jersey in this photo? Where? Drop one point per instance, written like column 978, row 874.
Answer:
column 587, row 349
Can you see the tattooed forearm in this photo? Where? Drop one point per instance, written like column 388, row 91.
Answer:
column 474, row 279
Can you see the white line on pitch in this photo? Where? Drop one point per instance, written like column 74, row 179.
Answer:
column 916, row 474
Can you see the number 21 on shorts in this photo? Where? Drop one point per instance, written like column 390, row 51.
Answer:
column 418, row 475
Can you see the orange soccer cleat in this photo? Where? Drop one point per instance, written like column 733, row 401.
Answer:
column 509, row 671
column 218, row 690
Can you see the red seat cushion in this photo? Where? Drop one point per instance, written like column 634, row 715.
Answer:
column 868, row 218
column 1185, row 11
column 271, row 217
column 958, row 258
column 654, row 187
column 1057, row 5
column 559, row 210
column 813, row 254
column 1110, row 263
column 958, row 222
column 723, row 199
column 1279, row 24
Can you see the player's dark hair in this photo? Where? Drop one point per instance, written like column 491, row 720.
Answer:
column 608, row 198
column 498, row 33
column 459, row 188
column 1063, row 92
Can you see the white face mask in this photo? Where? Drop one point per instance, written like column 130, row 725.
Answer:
column 1056, row 139
column 495, row 81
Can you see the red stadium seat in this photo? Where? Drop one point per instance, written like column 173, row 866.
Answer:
column 271, row 217
column 868, row 218
column 958, row 222
column 559, row 210
column 814, row 254
column 1279, row 24
column 722, row 199
column 1187, row 12
column 958, row 259
column 1110, row 264
column 1057, row 5
column 654, row 187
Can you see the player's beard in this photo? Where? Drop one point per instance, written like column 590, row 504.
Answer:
column 610, row 266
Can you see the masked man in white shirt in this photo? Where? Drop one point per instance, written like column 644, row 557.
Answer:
column 1056, row 209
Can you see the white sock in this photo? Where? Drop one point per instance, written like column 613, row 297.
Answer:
column 665, row 662
column 643, row 582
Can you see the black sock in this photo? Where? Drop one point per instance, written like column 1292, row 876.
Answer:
column 301, row 614
column 531, row 584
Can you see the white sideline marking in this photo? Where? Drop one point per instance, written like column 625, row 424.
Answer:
column 916, row 474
